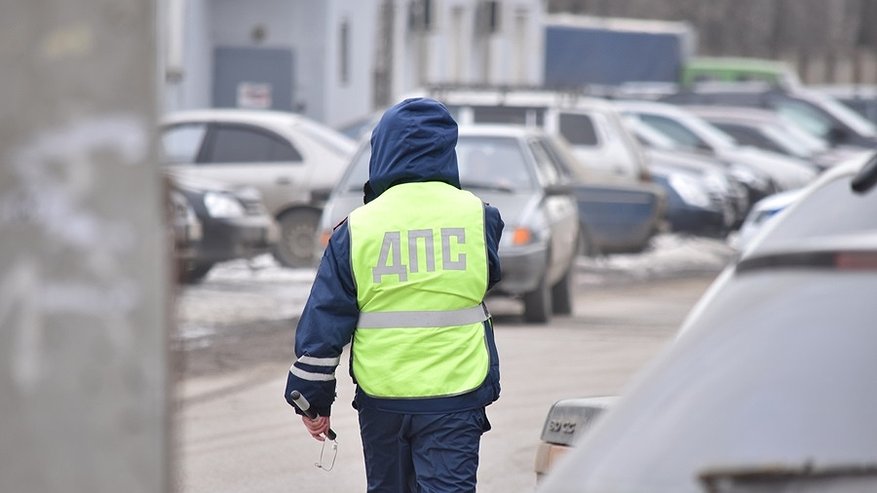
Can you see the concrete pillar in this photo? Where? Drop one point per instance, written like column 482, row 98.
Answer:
column 84, row 278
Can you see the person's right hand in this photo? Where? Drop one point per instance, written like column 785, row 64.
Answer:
column 317, row 427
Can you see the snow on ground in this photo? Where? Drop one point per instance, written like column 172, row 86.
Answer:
column 242, row 293
column 669, row 255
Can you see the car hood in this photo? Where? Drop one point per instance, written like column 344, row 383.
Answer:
column 788, row 173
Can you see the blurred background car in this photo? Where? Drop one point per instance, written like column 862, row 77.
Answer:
column 231, row 224
column 861, row 98
column 766, row 130
column 761, row 212
column 509, row 168
column 705, row 195
column 763, row 389
column 814, row 112
column 693, row 133
column 614, row 217
column 292, row 161
column 620, row 208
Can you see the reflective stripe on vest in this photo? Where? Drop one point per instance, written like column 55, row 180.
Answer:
column 419, row 259
column 410, row 320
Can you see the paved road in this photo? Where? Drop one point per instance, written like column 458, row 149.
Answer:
column 236, row 434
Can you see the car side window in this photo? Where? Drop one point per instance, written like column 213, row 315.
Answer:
column 675, row 131
column 546, row 168
column 243, row 144
column 180, row 143
column 578, row 129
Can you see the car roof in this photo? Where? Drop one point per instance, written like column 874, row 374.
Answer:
column 515, row 131
column 526, row 97
column 236, row 115
column 735, row 113
column 650, row 106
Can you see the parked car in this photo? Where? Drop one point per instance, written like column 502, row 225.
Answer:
column 705, row 195
column 694, row 133
column 763, row 210
column 509, row 168
column 592, row 126
column 763, row 390
column 768, row 131
column 614, row 217
column 183, row 228
column 627, row 210
column 292, row 161
column 232, row 224
column 817, row 113
column 861, row 98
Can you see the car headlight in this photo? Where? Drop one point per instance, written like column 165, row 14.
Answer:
column 690, row 191
column 751, row 179
column 222, row 205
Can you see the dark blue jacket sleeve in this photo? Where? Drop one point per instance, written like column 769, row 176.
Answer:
column 493, row 225
column 326, row 325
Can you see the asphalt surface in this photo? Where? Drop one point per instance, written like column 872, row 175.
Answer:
column 235, row 433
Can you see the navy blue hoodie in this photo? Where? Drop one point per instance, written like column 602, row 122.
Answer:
column 414, row 141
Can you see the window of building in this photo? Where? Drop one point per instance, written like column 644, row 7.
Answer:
column 344, row 53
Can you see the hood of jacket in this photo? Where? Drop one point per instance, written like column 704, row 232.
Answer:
column 415, row 141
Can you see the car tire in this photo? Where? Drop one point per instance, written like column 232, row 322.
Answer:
column 537, row 305
column 298, row 237
column 561, row 294
column 194, row 272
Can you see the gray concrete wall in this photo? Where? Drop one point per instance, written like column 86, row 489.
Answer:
column 83, row 269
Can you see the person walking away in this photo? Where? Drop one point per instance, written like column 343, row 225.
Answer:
column 404, row 278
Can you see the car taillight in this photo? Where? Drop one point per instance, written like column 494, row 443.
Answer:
column 856, row 260
column 324, row 238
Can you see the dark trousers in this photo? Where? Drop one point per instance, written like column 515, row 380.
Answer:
column 421, row 453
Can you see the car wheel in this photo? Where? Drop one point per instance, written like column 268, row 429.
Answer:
column 561, row 294
column 537, row 305
column 298, row 233
column 194, row 273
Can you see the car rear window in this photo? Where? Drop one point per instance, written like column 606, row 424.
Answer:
column 508, row 115
column 482, row 161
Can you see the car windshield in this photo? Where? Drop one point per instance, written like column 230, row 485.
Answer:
column 843, row 113
column 485, row 163
column 848, row 212
column 650, row 137
column 788, row 143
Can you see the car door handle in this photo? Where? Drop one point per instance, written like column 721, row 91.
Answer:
column 283, row 180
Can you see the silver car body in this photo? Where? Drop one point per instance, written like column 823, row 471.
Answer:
column 787, row 173
column 770, row 384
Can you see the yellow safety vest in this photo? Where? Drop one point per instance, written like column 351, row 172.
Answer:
column 419, row 259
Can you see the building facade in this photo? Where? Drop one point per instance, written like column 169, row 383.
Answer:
column 339, row 60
